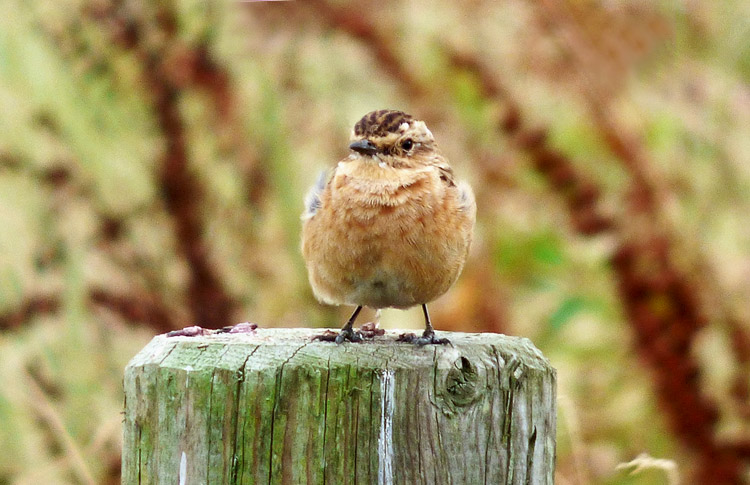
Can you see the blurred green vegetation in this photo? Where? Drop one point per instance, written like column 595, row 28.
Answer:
column 154, row 158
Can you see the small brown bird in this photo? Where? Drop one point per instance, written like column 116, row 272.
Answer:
column 390, row 226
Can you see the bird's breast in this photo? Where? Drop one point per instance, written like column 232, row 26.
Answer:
column 386, row 242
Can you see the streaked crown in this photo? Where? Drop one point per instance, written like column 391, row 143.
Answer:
column 390, row 132
column 382, row 122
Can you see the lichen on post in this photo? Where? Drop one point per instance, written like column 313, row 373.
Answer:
column 276, row 406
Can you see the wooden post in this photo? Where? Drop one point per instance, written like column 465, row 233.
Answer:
column 277, row 407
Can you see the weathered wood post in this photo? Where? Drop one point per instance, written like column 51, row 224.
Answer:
column 277, row 407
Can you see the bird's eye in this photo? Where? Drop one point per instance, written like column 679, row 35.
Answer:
column 407, row 144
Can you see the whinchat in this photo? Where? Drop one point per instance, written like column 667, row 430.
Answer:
column 389, row 226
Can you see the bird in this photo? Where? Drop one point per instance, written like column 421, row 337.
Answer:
column 389, row 226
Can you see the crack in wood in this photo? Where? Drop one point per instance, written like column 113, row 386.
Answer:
column 530, row 457
column 277, row 398
column 209, row 441
column 325, row 419
column 356, row 425
column 236, row 418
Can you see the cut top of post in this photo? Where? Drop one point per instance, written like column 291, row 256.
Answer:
column 283, row 343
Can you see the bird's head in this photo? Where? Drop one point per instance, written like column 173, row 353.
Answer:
column 392, row 137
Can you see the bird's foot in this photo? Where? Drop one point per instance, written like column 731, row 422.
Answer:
column 426, row 338
column 344, row 335
column 348, row 334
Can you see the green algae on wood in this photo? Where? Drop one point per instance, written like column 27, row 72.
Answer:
column 278, row 407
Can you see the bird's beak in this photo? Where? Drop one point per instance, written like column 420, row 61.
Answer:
column 365, row 147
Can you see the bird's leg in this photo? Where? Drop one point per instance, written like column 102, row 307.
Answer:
column 428, row 337
column 347, row 333
column 429, row 332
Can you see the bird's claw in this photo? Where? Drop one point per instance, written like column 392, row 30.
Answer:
column 348, row 334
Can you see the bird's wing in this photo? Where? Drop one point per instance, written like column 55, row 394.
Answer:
column 467, row 201
column 312, row 199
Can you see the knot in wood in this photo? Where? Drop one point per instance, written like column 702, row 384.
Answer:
column 461, row 383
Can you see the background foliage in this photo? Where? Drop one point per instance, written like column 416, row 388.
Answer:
column 154, row 155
